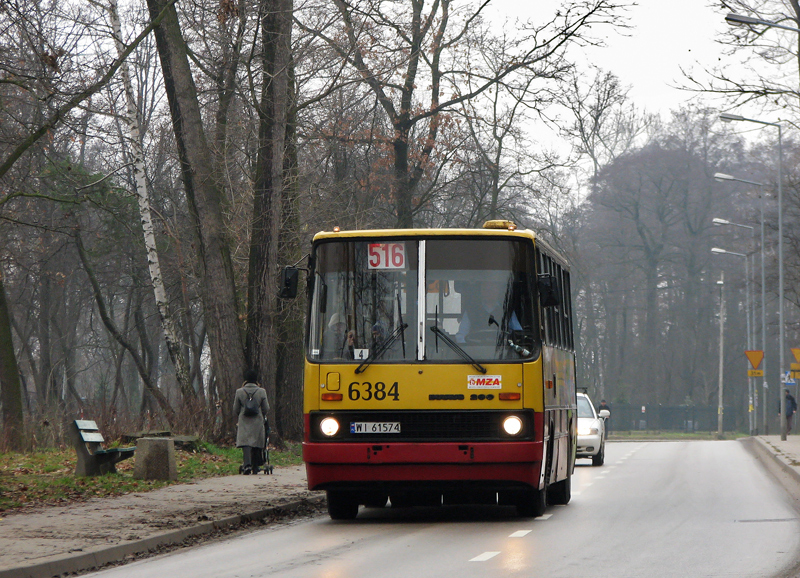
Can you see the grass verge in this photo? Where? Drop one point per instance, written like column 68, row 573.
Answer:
column 46, row 478
column 670, row 435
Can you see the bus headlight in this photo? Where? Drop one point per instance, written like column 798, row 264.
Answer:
column 512, row 425
column 329, row 426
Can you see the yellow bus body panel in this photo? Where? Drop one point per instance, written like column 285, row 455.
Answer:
column 418, row 387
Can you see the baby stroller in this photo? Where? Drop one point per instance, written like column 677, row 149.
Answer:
column 261, row 458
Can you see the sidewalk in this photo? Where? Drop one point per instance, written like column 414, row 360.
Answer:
column 52, row 541
column 781, row 458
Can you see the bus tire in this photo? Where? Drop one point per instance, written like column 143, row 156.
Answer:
column 560, row 493
column 376, row 500
column 532, row 503
column 342, row 506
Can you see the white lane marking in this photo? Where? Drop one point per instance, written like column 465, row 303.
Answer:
column 484, row 557
column 544, row 517
column 520, row 533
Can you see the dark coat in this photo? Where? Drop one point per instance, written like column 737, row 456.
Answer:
column 250, row 430
column 791, row 405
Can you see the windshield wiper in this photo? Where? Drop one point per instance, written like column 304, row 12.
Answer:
column 378, row 351
column 457, row 348
column 402, row 325
column 518, row 348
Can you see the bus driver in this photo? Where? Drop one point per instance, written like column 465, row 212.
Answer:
column 337, row 341
column 490, row 312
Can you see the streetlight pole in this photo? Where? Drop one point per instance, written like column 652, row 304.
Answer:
column 782, row 330
column 751, row 339
column 765, row 384
column 721, row 382
column 748, row 311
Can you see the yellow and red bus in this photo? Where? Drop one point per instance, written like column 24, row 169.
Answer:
column 439, row 369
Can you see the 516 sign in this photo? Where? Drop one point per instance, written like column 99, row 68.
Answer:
column 387, row 256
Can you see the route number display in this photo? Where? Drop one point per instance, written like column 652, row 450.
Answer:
column 387, row 256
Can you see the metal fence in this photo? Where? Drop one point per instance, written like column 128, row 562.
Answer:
column 674, row 418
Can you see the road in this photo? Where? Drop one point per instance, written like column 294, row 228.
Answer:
column 655, row 509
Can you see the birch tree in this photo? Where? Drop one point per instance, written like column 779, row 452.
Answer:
column 171, row 335
column 205, row 205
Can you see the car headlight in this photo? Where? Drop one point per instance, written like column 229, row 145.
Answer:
column 329, row 426
column 512, row 425
column 588, row 431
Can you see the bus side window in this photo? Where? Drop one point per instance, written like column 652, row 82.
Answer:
column 559, row 309
column 562, row 308
column 547, row 312
column 568, row 311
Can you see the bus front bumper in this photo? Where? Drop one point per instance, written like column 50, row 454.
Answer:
column 491, row 464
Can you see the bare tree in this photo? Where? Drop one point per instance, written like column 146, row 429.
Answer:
column 269, row 194
column 142, row 194
column 397, row 48
column 10, row 386
column 605, row 124
column 770, row 72
column 205, row 202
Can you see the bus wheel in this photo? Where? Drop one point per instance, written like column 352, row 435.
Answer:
column 375, row 500
column 531, row 503
column 342, row 505
column 560, row 493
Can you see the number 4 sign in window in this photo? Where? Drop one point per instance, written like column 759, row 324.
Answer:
column 387, row 255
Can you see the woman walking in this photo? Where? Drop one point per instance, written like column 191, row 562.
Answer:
column 251, row 405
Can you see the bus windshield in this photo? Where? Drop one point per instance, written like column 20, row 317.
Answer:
column 472, row 301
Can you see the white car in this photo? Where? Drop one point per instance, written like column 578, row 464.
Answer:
column 591, row 431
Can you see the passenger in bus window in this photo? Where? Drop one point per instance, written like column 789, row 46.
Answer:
column 378, row 335
column 337, row 341
column 487, row 318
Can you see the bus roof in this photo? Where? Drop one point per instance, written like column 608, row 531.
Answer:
column 407, row 233
column 386, row 233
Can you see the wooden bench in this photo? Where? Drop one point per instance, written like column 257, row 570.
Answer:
column 92, row 459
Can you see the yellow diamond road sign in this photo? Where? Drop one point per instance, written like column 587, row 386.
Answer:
column 796, row 353
column 755, row 357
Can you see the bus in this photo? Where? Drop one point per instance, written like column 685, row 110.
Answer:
column 439, row 369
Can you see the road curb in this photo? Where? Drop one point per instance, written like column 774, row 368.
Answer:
column 86, row 561
column 776, row 464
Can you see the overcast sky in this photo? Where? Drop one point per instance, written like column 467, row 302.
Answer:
column 666, row 35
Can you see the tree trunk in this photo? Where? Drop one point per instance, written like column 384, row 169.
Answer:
column 218, row 290
column 10, row 387
column 289, row 373
column 168, row 325
column 276, row 18
column 402, row 185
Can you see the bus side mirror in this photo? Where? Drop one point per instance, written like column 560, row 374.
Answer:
column 288, row 283
column 548, row 291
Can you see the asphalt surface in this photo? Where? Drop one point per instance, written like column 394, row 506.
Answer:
column 54, row 541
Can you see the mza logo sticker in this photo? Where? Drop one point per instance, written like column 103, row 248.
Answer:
column 484, row 382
